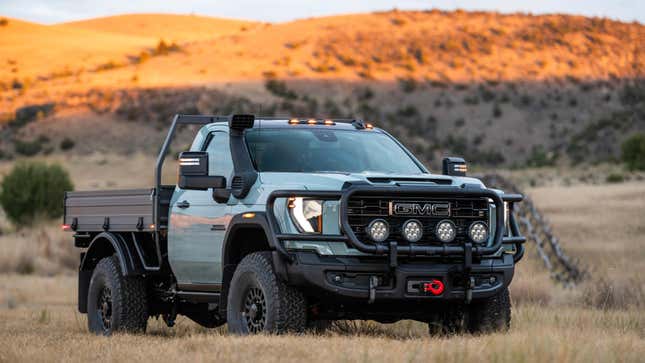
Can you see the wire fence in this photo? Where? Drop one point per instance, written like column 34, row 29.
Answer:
column 538, row 231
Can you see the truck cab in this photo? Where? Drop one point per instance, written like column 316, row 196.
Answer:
column 284, row 224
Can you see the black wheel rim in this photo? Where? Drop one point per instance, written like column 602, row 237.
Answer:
column 254, row 310
column 104, row 308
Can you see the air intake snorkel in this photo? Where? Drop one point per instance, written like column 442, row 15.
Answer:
column 245, row 174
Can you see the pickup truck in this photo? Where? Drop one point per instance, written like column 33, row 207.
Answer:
column 287, row 224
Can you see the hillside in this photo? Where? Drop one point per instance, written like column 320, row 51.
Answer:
column 32, row 51
column 498, row 89
column 174, row 28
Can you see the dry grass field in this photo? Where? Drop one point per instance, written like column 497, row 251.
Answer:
column 600, row 320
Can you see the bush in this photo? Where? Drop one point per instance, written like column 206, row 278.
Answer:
column 633, row 152
column 28, row 148
column 32, row 190
column 408, row 85
column 4, row 22
column 67, row 144
column 280, row 89
column 615, row 178
column 540, row 158
column 164, row 48
column 497, row 110
column 27, row 114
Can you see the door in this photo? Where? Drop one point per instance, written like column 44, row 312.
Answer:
column 198, row 224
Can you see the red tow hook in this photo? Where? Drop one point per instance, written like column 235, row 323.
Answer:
column 435, row 287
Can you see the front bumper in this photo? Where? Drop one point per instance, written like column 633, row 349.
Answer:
column 392, row 272
column 341, row 279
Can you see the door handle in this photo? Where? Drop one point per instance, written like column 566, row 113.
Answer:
column 183, row 204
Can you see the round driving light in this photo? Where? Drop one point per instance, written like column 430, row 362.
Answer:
column 378, row 230
column 478, row 232
column 412, row 230
column 446, row 231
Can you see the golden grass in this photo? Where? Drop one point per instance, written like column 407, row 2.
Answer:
column 44, row 326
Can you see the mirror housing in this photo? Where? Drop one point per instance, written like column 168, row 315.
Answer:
column 193, row 172
column 454, row 166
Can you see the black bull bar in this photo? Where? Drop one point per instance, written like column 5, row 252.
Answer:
column 392, row 249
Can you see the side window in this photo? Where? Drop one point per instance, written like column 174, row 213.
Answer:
column 219, row 155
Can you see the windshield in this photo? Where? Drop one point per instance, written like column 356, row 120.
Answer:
column 317, row 150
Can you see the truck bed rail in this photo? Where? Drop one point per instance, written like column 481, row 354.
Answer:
column 127, row 210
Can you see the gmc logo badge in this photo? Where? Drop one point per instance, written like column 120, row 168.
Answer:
column 420, row 209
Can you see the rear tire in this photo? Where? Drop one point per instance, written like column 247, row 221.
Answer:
column 258, row 302
column 116, row 303
column 490, row 315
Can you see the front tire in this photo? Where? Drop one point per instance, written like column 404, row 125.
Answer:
column 116, row 303
column 449, row 321
column 258, row 302
column 491, row 315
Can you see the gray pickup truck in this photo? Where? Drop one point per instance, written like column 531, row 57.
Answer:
column 283, row 225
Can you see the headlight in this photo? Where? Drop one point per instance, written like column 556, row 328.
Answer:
column 306, row 214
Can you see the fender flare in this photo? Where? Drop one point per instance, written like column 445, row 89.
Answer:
column 105, row 242
column 257, row 221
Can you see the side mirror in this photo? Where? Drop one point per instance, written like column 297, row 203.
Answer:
column 454, row 166
column 193, row 172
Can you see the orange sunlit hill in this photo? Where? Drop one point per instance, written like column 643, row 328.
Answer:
column 443, row 70
column 453, row 46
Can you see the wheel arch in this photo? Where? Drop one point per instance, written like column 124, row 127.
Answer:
column 107, row 244
column 103, row 245
column 247, row 233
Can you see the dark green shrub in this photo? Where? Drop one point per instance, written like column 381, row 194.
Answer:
column 634, row 152
column 27, row 114
column 486, row 94
column 280, row 89
column 28, row 148
column 540, row 158
column 67, row 144
column 407, row 85
column 34, row 189
column 497, row 110
column 615, row 178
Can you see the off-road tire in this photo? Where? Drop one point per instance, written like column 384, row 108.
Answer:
column 449, row 322
column 284, row 309
column 490, row 315
column 128, row 309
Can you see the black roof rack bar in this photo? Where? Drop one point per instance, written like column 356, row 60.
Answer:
column 207, row 119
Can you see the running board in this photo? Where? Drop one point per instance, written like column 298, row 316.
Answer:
column 199, row 296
